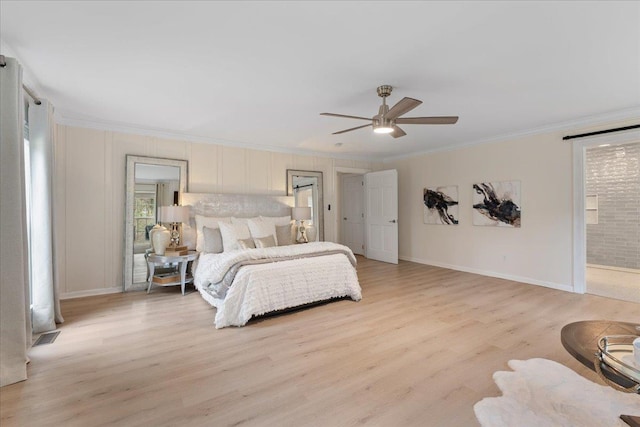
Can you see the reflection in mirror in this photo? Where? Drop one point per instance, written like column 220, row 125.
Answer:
column 151, row 183
column 306, row 187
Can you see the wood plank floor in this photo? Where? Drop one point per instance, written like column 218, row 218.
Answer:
column 418, row 350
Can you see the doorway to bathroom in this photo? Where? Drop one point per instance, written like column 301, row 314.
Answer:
column 612, row 220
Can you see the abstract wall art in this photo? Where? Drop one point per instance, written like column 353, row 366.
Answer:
column 440, row 205
column 497, row 204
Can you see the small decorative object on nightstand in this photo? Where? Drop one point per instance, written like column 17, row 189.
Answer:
column 160, row 239
column 301, row 214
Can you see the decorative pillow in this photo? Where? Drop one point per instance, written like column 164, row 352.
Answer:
column 212, row 240
column 246, row 243
column 206, row 221
column 265, row 242
column 277, row 220
column 284, row 235
column 260, row 228
column 231, row 233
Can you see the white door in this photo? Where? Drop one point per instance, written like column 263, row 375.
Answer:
column 353, row 212
column 381, row 215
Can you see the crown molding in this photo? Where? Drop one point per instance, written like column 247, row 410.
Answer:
column 64, row 118
column 571, row 125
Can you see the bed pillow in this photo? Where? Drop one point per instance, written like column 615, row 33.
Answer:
column 206, row 221
column 189, row 237
column 284, row 235
column 260, row 228
column 246, row 243
column 244, row 221
column 212, row 240
column 277, row 220
column 231, row 233
column 265, row 242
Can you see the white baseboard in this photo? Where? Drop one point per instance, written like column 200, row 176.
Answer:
column 90, row 293
column 521, row 279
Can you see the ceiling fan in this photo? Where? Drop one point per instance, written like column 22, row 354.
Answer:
column 388, row 119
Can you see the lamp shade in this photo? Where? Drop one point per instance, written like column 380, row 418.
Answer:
column 301, row 213
column 174, row 213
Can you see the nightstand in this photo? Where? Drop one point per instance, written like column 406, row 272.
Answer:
column 179, row 277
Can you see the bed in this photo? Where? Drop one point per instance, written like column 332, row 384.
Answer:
column 243, row 281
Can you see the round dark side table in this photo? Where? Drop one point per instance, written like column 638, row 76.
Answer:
column 580, row 339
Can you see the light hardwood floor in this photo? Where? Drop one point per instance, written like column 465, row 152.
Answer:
column 418, row 350
column 612, row 282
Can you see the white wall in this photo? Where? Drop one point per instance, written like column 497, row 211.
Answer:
column 89, row 186
column 539, row 252
column 89, row 201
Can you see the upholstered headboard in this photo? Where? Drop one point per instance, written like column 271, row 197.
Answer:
column 238, row 205
column 231, row 205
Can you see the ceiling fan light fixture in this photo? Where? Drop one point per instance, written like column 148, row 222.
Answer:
column 383, row 129
column 382, row 125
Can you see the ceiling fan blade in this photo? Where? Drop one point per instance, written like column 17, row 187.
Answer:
column 345, row 116
column 349, row 130
column 397, row 132
column 402, row 107
column 442, row 120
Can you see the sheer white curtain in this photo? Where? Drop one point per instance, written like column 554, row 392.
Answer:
column 46, row 304
column 15, row 325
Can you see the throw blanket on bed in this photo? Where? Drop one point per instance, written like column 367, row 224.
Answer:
column 221, row 269
column 541, row 392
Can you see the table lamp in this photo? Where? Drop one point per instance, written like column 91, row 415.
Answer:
column 301, row 214
column 175, row 215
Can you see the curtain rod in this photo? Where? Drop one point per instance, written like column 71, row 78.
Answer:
column 297, row 187
column 33, row 96
column 36, row 100
column 599, row 132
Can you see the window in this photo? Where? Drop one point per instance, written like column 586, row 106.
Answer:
column 144, row 212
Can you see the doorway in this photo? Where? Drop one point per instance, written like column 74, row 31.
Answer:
column 379, row 212
column 352, row 212
column 612, row 187
column 593, row 210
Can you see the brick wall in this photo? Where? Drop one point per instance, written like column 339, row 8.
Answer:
column 613, row 173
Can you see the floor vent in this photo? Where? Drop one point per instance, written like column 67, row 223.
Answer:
column 46, row 338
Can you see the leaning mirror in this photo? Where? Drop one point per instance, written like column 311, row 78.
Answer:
column 306, row 187
column 150, row 183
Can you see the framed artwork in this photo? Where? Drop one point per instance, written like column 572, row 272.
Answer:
column 440, row 205
column 497, row 204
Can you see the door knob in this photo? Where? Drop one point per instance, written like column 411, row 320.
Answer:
column 345, row 218
column 393, row 221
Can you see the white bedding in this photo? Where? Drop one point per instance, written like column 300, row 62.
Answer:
column 263, row 288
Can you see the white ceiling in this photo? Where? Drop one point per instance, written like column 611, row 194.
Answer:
column 258, row 74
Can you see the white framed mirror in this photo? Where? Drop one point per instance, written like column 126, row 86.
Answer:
column 151, row 182
column 307, row 189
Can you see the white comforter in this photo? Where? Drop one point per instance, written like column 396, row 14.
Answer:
column 263, row 288
column 213, row 267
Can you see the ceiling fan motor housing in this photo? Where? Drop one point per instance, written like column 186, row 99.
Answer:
column 384, row 91
column 380, row 123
